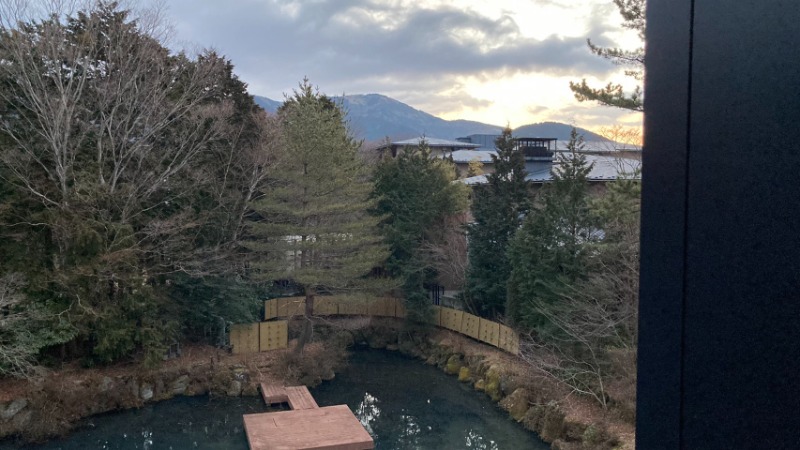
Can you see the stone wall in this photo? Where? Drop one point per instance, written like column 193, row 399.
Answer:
column 52, row 406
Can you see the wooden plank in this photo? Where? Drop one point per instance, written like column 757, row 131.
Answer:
column 437, row 316
column 470, row 325
column 490, row 332
column 509, row 340
column 326, row 306
column 452, row 318
column 296, row 306
column 300, row 398
column 353, row 307
column 291, row 306
column 244, row 338
column 513, row 346
column 381, row 307
column 273, row 335
column 328, row 428
column 399, row 308
column 272, row 394
column 282, row 307
column 270, row 309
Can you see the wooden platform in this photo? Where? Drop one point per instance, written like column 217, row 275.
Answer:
column 328, row 428
column 297, row 397
column 306, row 427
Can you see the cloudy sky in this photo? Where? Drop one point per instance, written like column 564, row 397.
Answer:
column 499, row 61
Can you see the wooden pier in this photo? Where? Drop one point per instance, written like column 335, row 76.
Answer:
column 297, row 397
column 306, row 426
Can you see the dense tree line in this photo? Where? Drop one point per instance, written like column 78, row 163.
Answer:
column 422, row 210
column 561, row 265
column 126, row 172
column 146, row 199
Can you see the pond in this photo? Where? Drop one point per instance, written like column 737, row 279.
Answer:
column 403, row 403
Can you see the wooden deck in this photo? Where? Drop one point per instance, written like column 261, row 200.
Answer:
column 328, row 428
column 297, row 397
column 306, row 427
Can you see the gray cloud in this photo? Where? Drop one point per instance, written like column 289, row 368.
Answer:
column 363, row 46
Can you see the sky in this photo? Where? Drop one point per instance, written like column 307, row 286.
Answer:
column 503, row 62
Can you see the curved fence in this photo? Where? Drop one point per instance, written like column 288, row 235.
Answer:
column 273, row 334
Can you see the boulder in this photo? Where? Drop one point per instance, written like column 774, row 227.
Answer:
column 106, row 384
column 178, row 387
column 234, row 389
column 492, row 386
column 453, row 365
column 517, row 403
column 146, row 392
column 13, row 408
column 553, row 423
column 22, row 419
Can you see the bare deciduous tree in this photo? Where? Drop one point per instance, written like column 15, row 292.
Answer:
column 17, row 354
column 446, row 248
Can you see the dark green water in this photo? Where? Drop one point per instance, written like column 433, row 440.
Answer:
column 403, row 403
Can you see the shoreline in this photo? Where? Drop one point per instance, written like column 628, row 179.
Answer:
column 53, row 405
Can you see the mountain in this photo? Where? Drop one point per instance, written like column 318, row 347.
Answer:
column 560, row 131
column 373, row 117
column 269, row 105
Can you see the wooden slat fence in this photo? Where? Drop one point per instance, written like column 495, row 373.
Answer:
column 259, row 337
column 268, row 337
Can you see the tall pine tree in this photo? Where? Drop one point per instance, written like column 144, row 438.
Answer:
column 314, row 227
column 633, row 18
column 498, row 209
column 550, row 252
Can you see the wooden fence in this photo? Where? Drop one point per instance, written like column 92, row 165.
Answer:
column 259, row 337
column 273, row 334
column 266, row 336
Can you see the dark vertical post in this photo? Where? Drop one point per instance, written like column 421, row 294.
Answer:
column 720, row 276
column 664, row 188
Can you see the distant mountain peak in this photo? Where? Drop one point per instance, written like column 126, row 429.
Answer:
column 374, row 117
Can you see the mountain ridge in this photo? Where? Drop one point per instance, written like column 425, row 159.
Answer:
column 374, row 117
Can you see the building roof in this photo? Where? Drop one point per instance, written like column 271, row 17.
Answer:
column 602, row 147
column 466, row 156
column 434, row 143
column 606, row 168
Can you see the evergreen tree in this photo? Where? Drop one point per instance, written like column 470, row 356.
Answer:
column 314, row 227
column 550, row 252
column 633, row 15
column 498, row 209
column 589, row 343
column 416, row 194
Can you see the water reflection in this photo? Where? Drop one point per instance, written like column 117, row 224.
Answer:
column 368, row 412
column 148, row 439
column 409, row 432
column 474, row 440
column 406, row 405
